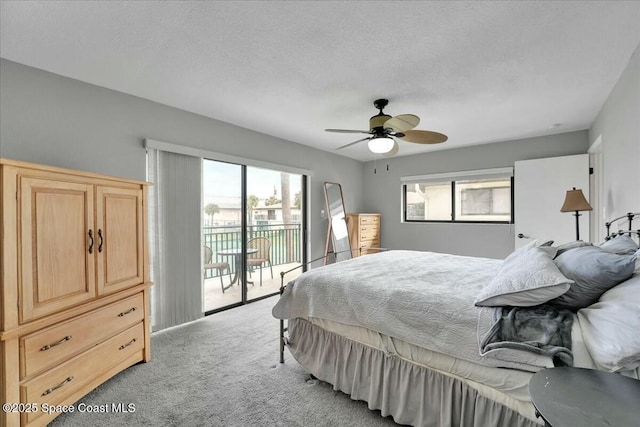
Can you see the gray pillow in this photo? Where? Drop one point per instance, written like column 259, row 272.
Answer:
column 571, row 245
column 621, row 245
column 524, row 281
column 594, row 271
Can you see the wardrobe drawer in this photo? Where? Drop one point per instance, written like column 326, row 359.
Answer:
column 375, row 243
column 48, row 347
column 364, row 246
column 369, row 219
column 53, row 386
column 368, row 233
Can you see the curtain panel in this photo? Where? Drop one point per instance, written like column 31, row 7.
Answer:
column 175, row 216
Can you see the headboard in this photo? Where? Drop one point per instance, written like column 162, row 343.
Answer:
column 630, row 232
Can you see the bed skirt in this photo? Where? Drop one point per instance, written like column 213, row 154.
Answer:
column 411, row 394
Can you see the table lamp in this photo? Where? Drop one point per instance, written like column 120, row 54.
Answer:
column 574, row 201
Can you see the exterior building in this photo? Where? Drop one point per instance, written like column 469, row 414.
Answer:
column 272, row 214
column 230, row 214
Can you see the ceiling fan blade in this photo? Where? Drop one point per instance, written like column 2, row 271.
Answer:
column 424, row 137
column 394, row 150
column 352, row 143
column 402, row 123
column 346, row 131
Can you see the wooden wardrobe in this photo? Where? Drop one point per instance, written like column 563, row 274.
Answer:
column 74, row 285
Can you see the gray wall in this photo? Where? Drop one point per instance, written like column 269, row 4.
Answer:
column 618, row 123
column 382, row 193
column 50, row 119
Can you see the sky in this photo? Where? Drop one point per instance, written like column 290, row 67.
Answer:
column 221, row 183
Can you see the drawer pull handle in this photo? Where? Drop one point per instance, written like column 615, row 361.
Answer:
column 52, row 389
column 123, row 346
column 101, row 240
column 124, row 313
column 62, row 341
column 90, row 241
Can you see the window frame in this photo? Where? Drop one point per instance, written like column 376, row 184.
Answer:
column 453, row 219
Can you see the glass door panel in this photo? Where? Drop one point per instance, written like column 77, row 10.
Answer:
column 221, row 234
column 274, row 229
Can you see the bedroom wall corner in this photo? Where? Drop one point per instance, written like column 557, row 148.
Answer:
column 618, row 124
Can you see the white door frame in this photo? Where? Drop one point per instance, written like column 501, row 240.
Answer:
column 596, row 186
column 540, row 186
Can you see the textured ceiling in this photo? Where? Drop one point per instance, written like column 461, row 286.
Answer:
column 477, row 71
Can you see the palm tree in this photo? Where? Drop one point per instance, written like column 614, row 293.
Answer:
column 286, row 197
column 297, row 200
column 273, row 200
column 252, row 203
column 211, row 209
column 286, row 212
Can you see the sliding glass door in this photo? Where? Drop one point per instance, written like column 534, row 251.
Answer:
column 274, row 229
column 253, row 221
column 221, row 233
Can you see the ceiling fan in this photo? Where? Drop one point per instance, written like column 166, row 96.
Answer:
column 384, row 131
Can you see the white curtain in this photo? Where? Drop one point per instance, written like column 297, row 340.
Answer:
column 175, row 215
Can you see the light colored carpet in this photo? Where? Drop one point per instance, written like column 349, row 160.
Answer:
column 222, row 370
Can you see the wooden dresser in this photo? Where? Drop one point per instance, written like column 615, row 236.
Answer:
column 364, row 232
column 74, row 286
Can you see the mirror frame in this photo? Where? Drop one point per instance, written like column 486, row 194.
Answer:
column 338, row 244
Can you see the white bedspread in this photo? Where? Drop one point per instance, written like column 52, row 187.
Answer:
column 423, row 298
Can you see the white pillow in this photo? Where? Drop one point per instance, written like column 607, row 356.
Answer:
column 611, row 327
column 546, row 247
column 527, row 279
column 521, row 250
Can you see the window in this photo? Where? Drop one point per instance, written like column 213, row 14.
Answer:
column 428, row 202
column 473, row 196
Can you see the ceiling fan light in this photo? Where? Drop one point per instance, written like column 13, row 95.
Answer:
column 381, row 145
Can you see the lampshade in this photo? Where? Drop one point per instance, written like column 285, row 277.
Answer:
column 381, row 145
column 575, row 201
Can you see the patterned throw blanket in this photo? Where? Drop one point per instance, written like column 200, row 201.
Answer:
column 542, row 329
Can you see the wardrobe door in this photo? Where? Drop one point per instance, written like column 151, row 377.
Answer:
column 119, row 224
column 57, row 244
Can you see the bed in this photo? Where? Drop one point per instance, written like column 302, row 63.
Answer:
column 429, row 338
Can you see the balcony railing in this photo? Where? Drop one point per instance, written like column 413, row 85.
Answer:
column 285, row 242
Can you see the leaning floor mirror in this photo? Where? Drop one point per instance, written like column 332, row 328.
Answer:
column 337, row 222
